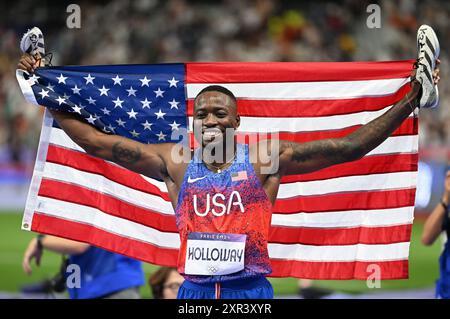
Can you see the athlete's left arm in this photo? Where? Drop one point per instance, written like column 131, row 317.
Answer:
column 298, row 158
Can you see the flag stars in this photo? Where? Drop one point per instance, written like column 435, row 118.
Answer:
column 106, row 111
column 65, row 96
column 103, row 91
column 174, row 126
column 76, row 90
column 144, row 81
column 91, row 119
column 120, row 122
column 89, row 79
column 132, row 114
column 161, row 136
column 117, row 80
column 61, row 79
column 33, row 79
column 159, row 92
column 51, row 87
column 134, row 133
column 174, row 104
column 60, row 100
column 146, row 103
column 76, row 109
column 160, row 114
column 173, row 82
column 43, row 93
column 91, row 100
column 118, row 102
column 147, row 125
column 111, row 128
column 131, row 91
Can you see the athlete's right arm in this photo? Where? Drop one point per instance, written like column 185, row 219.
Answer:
column 138, row 157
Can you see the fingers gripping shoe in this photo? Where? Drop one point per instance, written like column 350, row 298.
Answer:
column 428, row 52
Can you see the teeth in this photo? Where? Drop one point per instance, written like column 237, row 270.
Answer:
column 210, row 134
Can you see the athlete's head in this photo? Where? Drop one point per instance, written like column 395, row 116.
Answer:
column 215, row 111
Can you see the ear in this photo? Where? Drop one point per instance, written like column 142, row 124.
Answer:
column 238, row 121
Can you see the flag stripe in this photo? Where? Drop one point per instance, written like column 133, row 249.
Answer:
column 106, row 186
column 90, row 164
column 342, row 233
column 87, row 233
column 340, row 236
column 339, row 270
column 75, row 159
column 285, row 124
column 397, row 180
column 237, row 72
column 324, row 90
column 337, row 219
column 108, row 204
column 365, row 166
column 391, row 198
column 401, row 143
column 98, row 219
column 395, row 144
column 346, row 201
column 349, row 218
column 358, row 252
column 312, row 108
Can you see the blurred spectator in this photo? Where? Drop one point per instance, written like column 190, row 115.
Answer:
column 436, row 223
column 101, row 274
column 165, row 282
column 307, row 290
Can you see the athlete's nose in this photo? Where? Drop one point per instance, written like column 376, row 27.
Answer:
column 210, row 120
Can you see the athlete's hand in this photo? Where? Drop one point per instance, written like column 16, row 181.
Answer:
column 436, row 76
column 29, row 63
column 32, row 251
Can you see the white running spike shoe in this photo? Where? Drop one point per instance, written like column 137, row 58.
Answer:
column 33, row 42
column 428, row 52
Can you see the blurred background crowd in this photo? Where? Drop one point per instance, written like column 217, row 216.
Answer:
column 152, row 31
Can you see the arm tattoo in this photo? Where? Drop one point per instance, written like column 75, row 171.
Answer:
column 125, row 155
column 357, row 144
column 331, row 149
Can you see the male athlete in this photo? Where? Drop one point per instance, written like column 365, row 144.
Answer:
column 223, row 203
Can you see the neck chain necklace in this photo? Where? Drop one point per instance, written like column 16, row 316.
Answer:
column 222, row 166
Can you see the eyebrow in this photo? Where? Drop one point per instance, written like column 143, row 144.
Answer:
column 201, row 107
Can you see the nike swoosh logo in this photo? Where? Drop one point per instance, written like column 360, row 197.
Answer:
column 193, row 180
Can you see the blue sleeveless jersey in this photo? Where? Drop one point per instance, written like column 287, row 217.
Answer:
column 230, row 202
column 103, row 273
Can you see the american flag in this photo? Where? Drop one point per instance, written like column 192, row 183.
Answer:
column 336, row 223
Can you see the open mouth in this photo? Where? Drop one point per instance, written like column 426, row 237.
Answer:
column 211, row 134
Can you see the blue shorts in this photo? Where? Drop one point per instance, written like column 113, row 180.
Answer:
column 249, row 288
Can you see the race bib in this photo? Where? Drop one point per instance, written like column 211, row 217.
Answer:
column 214, row 254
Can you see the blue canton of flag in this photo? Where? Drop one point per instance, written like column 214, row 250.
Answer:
column 144, row 102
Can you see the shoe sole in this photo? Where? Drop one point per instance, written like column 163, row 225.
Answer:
column 427, row 36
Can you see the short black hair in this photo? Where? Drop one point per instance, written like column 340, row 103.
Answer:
column 217, row 88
